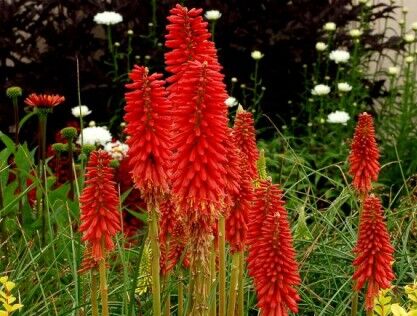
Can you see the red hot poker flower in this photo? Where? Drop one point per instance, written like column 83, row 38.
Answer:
column 271, row 260
column 233, row 170
column 188, row 39
column 374, row 252
column 364, row 154
column 200, row 124
column 149, row 126
column 44, row 100
column 244, row 129
column 100, row 219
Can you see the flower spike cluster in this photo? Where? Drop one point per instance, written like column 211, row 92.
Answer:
column 244, row 129
column 200, row 123
column 374, row 252
column 188, row 39
column 364, row 155
column 100, row 219
column 149, row 126
column 271, row 261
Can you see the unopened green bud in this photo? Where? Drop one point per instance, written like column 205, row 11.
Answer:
column 59, row 147
column 69, row 133
column 14, row 92
column 87, row 149
column 114, row 163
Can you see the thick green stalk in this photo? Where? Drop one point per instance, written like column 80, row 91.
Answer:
column 167, row 300
column 234, row 283
column 213, row 282
column 156, row 284
column 222, row 266
column 42, row 172
column 94, row 304
column 103, row 285
column 241, row 292
column 180, row 294
column 354, row 311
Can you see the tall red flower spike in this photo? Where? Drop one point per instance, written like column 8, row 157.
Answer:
column 44, row 100
column 271, row 260
column 233, row 170
column 364, row 155
column 100, row 218
column 199, row 162
column 148, row 117
column 244, row 129
column 374, row 252
column 189, row 39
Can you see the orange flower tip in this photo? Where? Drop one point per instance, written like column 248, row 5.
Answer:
column 44, row 100
column 240, row 109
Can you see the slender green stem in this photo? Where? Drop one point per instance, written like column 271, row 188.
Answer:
column 222, row 266
column 109, row 39
column 103, row 285
column 241, row 292
column 16, row 120
column 94, row 304
column 213, row 29
column 129, row 52
column 153, row 236
column 167, row 297
column 354, row 311
column 369, row 312
column 42, row 172
column 180, row 294
column 213, row 283
column 72, row 175
column 234, row 283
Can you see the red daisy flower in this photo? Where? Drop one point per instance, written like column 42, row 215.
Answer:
column 100, row 219
column 374, row 252
column 200, row 124
column 148, row 117
column 364, row 155
column 44, row 100
column 244, row 129
column 271, row 260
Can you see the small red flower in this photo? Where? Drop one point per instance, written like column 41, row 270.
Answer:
column 364, row 154
column 44, row 100
column 100, row 219
column 271, row 260
column 148, row 117
column 244, row 129
column 374, row 252
column 199, row 161
column 189, row 40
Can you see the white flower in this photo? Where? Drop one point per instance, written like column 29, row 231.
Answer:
column 414, row 26
column 231, row 102
column 339, row 56
column 212, row 15
column 92, row 123
column 355, row 33
column 330, row 26
column 95, row 135
column 409, row 37
column 344, row 87
column 320, row 89
column 363, row 1
column 130, row 32
column 320, row 46
column 108, row 18
column 80, row 110
column 256, row 54
column 117, row 149
column 339, row 117
column 393, row 70
column 409, row 59
column 405, row 10
column 234, row 79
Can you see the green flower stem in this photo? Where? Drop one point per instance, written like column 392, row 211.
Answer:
column 234, row 283
column 115, row 65
column 241, row 292
column 129, row 53
column 109, row 39
column 222, row 266
column 213, row 29
column 83, row 161
column 167, row 297
column 94, row 304
column 153, row 236
column 103, row 284
column 354, row 310
column 180, row 293
column 16, row 120
column 42, row 115
column 72, row 175
column 213, row 284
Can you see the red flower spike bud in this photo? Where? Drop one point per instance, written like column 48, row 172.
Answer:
column 189, row 39
column 168, row 219
column 364, row 155
column 88, row 263
column 244, row 129
column 148, row 118
column 233, row 170
column 100, row 218
column 374, row 252
column 237, row 221
column 271, row 260
column 199, row 162
column 44, row 100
